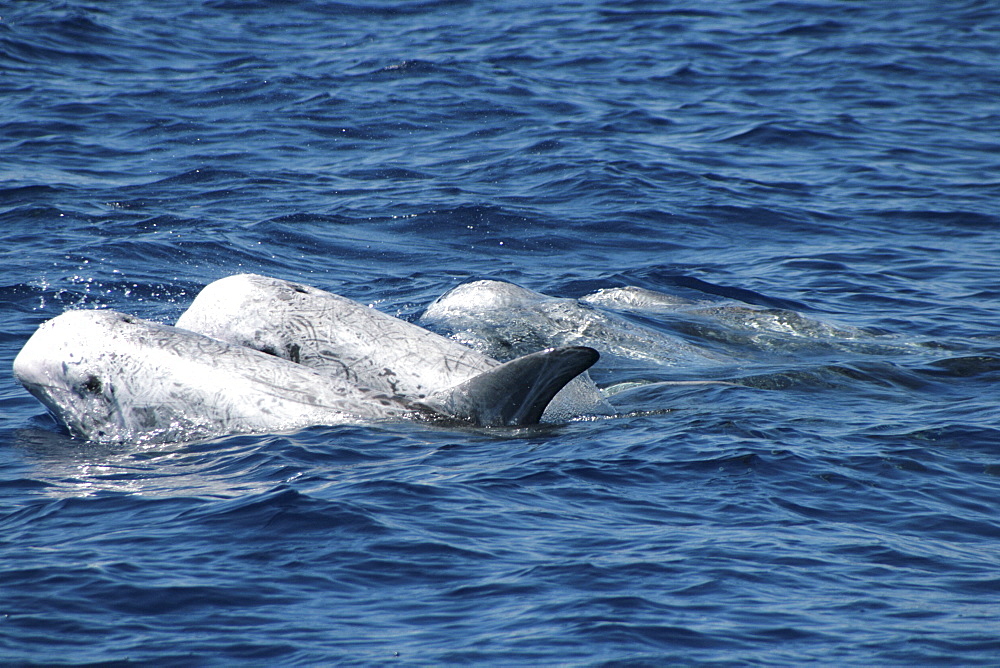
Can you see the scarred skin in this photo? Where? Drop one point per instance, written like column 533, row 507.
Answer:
column 111, row 377
column 351, row 341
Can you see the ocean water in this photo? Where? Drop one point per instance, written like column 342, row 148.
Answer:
column 820, row 180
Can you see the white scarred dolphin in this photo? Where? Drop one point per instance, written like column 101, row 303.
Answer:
column 506, row 320
column 112, row 377
column 353, row 342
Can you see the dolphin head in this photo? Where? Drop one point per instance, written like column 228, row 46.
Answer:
column 65, row 366
column 242, row 309
column 111, row 377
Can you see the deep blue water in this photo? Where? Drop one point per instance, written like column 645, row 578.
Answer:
column 837, row 159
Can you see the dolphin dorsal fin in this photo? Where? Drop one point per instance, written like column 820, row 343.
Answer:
column 515, row 393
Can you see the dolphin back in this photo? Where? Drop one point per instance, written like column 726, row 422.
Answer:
column 515, row 393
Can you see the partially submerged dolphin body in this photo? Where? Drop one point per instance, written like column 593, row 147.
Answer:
column 112, row 377
column 353, row 343
column 505, row 320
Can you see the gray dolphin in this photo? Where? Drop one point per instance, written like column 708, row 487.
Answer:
column 506, row 320
column 353, row 342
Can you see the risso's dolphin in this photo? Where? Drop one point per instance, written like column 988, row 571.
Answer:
column 352, row 342
column 112, row 377
column 506, row 320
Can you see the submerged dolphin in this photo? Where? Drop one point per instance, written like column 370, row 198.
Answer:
column 352, row 342
column 112, row 377
column 506, row 320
